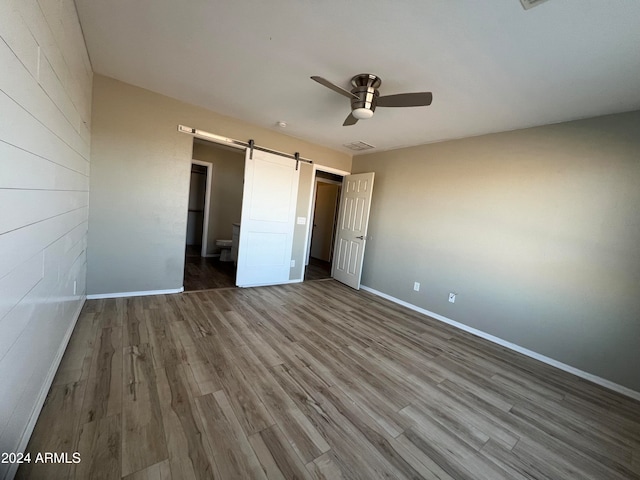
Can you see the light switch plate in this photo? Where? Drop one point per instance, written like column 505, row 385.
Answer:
column 302, row 221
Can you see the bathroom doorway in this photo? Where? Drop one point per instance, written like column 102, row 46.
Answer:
column 322, row 225
column 208, row 262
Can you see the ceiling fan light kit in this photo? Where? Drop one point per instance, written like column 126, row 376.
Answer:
column 365, row 97
column 362, row 113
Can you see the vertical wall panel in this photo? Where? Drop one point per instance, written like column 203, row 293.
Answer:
column 45, row 99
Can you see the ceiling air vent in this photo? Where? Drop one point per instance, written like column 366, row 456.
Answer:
column 358, row 146
column 527, row 4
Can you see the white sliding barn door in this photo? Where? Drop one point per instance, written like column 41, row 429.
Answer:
column 268, row 219
column 353, row 222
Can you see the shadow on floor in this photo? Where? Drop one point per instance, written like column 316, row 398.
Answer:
column 317, row 269
column 202, row 273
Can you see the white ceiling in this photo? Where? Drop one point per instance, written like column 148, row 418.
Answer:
column 492, row 66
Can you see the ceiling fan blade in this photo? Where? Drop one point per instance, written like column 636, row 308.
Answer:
column 334, row 87
column 420, row 99
column 350, row 120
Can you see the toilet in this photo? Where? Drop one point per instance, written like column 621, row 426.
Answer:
column 225, row 250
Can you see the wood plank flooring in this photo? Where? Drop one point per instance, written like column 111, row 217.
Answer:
column 203, row 273
column 316, row 381
column 317, row 269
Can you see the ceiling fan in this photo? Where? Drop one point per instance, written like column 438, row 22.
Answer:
column 365, row 97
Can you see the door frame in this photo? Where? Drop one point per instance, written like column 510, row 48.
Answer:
column 312, row 201
column 207, row 201
column 313, row 210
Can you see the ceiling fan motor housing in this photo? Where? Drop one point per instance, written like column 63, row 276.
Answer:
column 365, row 86
column 364, row 97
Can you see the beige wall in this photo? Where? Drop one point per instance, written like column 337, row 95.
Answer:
column 140, row 183
column 537, row 231
column 226, row 190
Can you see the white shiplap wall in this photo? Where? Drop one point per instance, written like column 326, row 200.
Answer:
column 45, row 110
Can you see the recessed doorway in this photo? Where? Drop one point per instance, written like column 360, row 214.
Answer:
column 324, row 213
column 211, row 216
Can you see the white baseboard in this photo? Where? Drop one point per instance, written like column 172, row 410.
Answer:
column 44, row 391
column 98, row 296
column 512, row 346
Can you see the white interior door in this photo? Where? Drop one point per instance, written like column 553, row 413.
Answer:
column 267, row 220
column 351, row 235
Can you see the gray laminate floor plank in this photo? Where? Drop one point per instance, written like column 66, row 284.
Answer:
column 316, row 380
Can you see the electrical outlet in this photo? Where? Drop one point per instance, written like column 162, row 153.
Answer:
column 293, row 263
column 416, row 286
column 452, row 297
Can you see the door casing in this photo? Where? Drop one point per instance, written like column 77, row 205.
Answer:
column 312, row 197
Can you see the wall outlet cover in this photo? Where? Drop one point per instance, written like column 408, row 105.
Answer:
column 293, row 263
column 416, row 286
